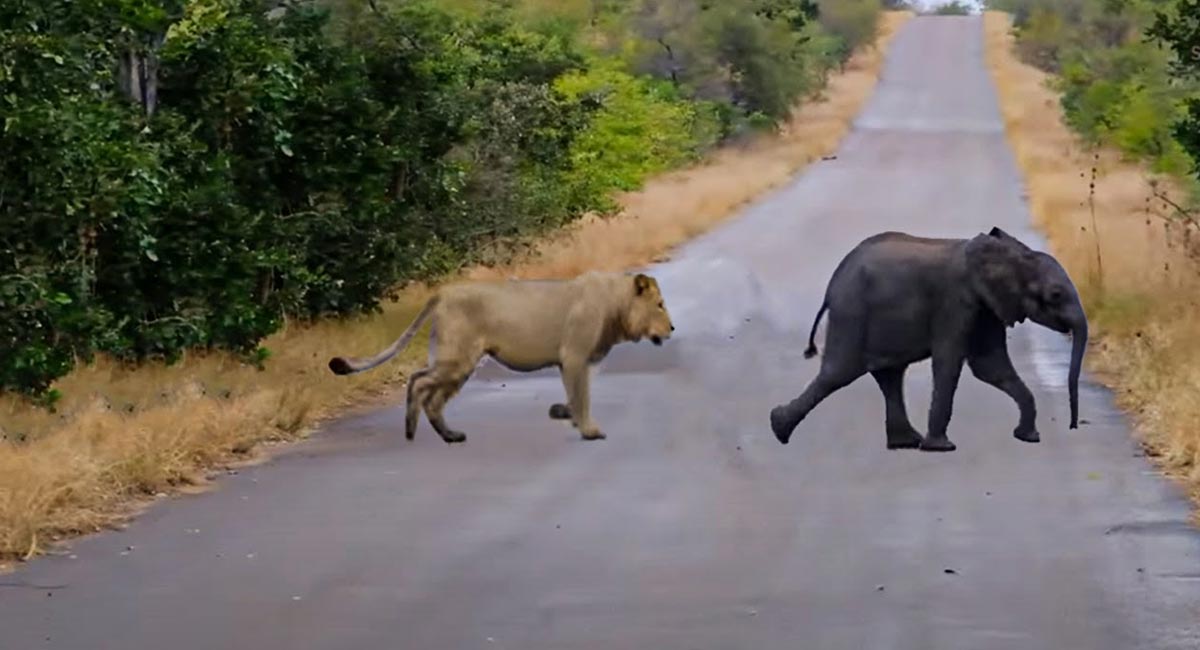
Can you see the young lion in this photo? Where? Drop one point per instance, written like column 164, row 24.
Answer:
column 526, row 326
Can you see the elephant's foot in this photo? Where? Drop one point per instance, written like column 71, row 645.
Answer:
column 560, row 412
column 903, row 437
column 781, row 426
column 931, row 443
column 1027, row 434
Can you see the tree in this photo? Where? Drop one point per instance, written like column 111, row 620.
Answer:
column 1180, row 31
column 953, row 8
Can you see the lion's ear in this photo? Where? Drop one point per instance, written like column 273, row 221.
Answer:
column 641, row 282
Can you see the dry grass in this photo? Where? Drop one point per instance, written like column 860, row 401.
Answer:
column 1140, row 278
column 125, row 435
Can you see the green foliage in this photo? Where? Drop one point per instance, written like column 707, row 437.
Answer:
column 1042, row 37
column 283, row 173
column 188, row 174
column 644, row 127
column 855, row 23
column 953, row 8
column 1179, row 29
column 1118, row 88
column 752, row 57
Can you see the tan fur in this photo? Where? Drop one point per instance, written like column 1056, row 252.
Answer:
column 525, row 325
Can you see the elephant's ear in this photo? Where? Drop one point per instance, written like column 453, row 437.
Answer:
column 999, row 270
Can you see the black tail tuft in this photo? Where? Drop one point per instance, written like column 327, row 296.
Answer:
column 340, row 366
column 810, row 352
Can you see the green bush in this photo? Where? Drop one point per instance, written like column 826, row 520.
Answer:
column 281, row 173
column 642, row 127
column 855, row 23
column 952, row 8
column 1178, row 27
column 179, row 174
column 1117, row 87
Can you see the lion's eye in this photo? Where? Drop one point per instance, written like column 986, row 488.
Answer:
column 660, row 305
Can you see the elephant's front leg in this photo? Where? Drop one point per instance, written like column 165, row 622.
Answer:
column 900, row 432
column 993, row 366
column 947, row 368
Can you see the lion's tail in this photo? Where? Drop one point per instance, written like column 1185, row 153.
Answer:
column 348, row 366
column 811, row 350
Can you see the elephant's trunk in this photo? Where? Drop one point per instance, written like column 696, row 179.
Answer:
column 1079, row 337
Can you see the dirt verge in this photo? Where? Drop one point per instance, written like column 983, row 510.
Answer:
column 1111, row 224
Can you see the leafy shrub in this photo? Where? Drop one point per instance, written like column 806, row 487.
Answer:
column 282, row 173
column 1178, row 28
column 953, row 8
column 642, row 127
column 1117, row 88
column 854, row 22
column 179, row 174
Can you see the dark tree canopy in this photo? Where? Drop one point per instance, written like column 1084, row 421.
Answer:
column 182, row 174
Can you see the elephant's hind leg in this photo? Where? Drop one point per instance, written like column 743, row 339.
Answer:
column 947, row 368
column 786, row 417
column 900, row 432
column 842, row 365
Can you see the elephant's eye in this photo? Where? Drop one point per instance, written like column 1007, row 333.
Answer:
column 1054, row 295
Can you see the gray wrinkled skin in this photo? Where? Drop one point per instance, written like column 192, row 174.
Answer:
column 896, row 299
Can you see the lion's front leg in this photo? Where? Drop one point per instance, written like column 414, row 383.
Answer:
column 575, row 374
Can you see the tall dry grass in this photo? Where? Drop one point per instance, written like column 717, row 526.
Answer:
column 1137, row 266
column 122, row 436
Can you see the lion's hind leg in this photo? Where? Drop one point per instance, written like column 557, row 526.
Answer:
column 446, row 383
column 418, row 385
column 447, row 377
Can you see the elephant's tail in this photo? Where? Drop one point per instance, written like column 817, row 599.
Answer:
column 811, row 351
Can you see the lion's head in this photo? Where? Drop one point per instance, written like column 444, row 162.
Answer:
column 647, row 316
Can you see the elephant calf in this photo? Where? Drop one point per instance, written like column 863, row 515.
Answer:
column 896, row 299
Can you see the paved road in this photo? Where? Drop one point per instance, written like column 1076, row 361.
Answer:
column 690, row 527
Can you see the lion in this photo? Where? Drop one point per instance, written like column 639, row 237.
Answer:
column 525, row 325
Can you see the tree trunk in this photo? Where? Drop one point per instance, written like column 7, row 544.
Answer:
column 137, row 75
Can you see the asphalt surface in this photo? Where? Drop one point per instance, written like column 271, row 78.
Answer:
column 691, row 526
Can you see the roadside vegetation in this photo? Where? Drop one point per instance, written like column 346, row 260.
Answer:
column 953, row 8
column 1102, row 104
column 203, row 201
